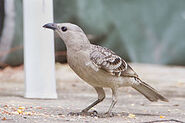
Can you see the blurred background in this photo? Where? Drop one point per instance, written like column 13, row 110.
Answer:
column 149, row 32
column 144, row 31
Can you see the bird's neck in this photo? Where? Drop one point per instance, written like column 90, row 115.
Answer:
column 78, row 46
column 78, row 42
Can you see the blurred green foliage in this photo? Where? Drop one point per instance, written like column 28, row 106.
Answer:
column 14, row 56
column 150, row 31
column 147, row 31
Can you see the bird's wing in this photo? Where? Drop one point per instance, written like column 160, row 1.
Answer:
column 108, row 61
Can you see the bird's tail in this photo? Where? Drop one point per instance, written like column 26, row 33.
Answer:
column 149, row 92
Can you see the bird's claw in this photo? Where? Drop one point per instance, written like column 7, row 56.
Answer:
column 84, row 113
column 109, row 114
column 77, row 113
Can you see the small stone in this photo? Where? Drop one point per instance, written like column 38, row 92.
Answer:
column 131, row 116
column 27, row 113
column 162, row 116
column 21, row 107
column 176, row 105
column 19, row 111
column 4, row 118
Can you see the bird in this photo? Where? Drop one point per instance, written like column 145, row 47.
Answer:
column 99, row 66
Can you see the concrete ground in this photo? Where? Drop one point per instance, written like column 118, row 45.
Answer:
column 74, row 95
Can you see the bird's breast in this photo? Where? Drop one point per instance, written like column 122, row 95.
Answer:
column 78, row 62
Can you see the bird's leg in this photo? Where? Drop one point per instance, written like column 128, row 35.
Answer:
column 114, row 100
column 101, row 96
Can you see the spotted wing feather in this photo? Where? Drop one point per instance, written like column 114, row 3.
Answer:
column 108, row 61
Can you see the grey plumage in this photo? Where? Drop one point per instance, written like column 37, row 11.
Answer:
column 149, row 92
column 107, row 60
column 100, row 67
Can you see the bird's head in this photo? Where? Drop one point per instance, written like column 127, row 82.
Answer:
column 70, row 33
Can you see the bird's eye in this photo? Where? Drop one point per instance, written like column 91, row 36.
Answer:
column 64, row 28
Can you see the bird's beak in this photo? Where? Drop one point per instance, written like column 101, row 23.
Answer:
column 52, row 26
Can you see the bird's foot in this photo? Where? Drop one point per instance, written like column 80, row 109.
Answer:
column 107, row 114
column 74, row 113
column 84, row 113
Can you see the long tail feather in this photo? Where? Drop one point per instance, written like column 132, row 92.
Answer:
column 149, row 92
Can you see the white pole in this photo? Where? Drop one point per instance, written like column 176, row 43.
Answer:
column 38, row 50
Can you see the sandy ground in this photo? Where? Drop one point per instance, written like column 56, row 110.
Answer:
column 74, row 95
